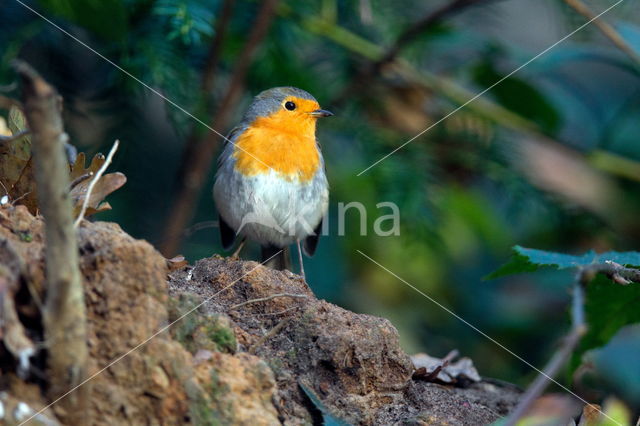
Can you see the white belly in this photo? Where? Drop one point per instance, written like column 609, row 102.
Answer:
column 269, row 209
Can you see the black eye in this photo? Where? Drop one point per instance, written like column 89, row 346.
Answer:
column 290, row 106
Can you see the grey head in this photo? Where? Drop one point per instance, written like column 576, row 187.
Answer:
column 271, row 101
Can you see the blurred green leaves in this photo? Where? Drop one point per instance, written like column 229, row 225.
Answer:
column 518, row 96
column 92, row 16
column 188, row 21
column 609, row 307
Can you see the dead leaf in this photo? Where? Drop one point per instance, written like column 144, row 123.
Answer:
column 105, row 185
column 443, row 370
column 16, row 167
column 177, row 262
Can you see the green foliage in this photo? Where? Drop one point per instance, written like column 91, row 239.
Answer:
column 513, row 90
column 188, row 21
column 608, row 308
column 91, row 16
column 530, row 260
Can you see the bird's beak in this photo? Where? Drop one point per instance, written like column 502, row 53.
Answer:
column 321, row 113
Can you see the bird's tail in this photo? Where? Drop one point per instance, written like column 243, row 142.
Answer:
column 276, row 258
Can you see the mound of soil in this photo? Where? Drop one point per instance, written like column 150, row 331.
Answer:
column 221, row 342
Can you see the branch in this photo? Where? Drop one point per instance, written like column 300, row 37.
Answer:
column 366, row 74
column 196, row 164
column 424, row 24
column 606, row 29
column 204, row 107
column 265, row 299
column 93, row 182
column 616, row 272
column 561, row 356
column 215, row 50
column 64, row 318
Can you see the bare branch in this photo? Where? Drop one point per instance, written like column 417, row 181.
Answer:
column 618, row 273
column 579, row 328
column 606, row 29
column 64, row 317
column 265, row 299
column 196, row 163
column 93, row 182
column 215, row 49
column 424, row 24
column 557, row 361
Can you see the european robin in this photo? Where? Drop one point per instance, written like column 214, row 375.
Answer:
column 271, row 186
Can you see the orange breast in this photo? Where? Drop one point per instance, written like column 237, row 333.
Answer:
column 282, row 142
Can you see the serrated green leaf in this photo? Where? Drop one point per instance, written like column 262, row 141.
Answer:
column 530, row 260
column 608, row 308
column 516, row 265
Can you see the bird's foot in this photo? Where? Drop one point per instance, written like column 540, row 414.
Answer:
column 236, row 254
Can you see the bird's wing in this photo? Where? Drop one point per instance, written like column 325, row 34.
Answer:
column 230, row 139
column 311, row 242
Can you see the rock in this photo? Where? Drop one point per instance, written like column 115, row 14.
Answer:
column 223, row 342
column 352, row 362
column 242, row 389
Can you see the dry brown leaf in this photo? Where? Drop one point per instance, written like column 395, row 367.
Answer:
column 177, row 262
column 105, row 186
column 444, row 371
column 16, row 169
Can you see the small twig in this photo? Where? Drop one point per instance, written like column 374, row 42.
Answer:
column 451, row 356
column 79, row 180
column 606, row 29
column 372, row 72
column 423, row 25
column 265, row 299
column 21, row 197
column 6, row 139
column 215, row 51
column 284, row 311
column 275, row 330
column 561, row 356
column 616, row 272
column 64, row 314
column 93, row 182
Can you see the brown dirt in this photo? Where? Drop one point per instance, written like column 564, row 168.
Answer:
column 221, row 362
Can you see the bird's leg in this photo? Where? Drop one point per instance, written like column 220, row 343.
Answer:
column 300, row 261
column 236, row 254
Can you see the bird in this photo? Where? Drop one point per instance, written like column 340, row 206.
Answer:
column 271, row 185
